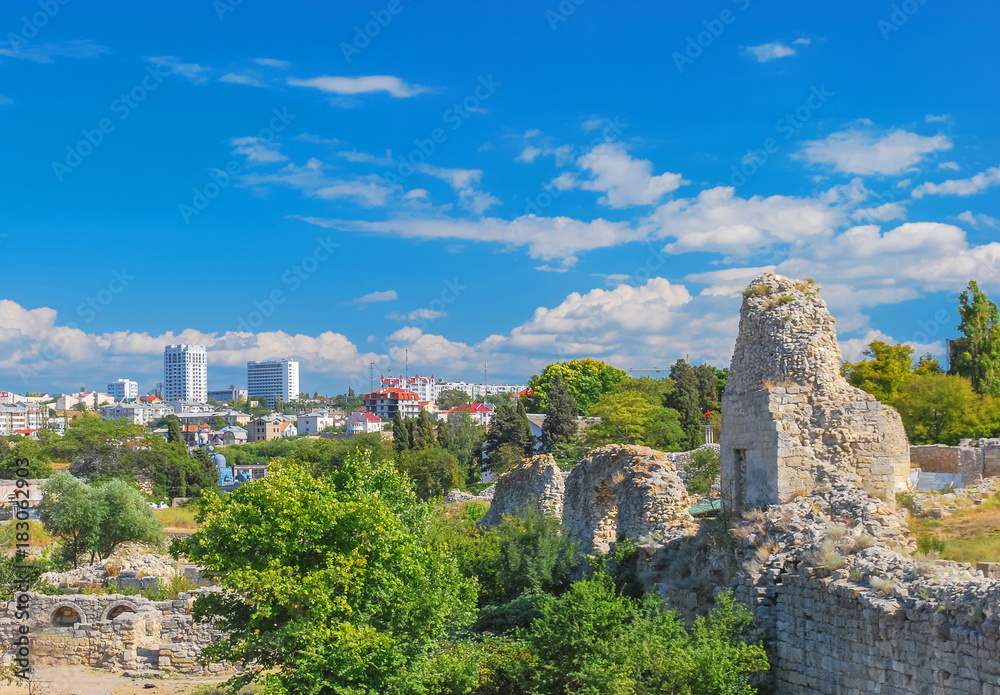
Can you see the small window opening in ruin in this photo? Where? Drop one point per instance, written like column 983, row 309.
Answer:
column 118, row 610
column 65, row 617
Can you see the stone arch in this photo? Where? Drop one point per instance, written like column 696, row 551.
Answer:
column 66, row 615
column 119, row 607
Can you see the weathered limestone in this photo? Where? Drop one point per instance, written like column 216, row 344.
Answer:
column 620, row 491
column 536, row 482
column 790, row 417
column 112, row 632
column 973, row 460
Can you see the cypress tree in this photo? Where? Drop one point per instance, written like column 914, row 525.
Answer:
column 560, row 418
column 686, row 400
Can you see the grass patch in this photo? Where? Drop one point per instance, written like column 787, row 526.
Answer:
column 179, row 518
column 969, row 535
column 38, row 537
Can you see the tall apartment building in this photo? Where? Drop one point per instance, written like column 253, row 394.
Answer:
column 272, row 379
column 124, row 389
column 423, row 386
column 185, row 373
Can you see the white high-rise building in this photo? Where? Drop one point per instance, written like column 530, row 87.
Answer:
column 124, row 389
column 272, row 379
column 185, row 373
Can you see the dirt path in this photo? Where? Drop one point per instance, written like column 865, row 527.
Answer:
column 81, row 680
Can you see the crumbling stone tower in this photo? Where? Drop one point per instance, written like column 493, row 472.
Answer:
column 789, row 416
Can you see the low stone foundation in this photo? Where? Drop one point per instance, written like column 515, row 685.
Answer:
column 973, row 460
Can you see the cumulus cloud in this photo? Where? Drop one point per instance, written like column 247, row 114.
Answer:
column 860, row 150
column 238, row 78
column 767, row 52
column 257, row 150
column 960, row 187
column 466, row 184
column 624, row 181
column 394, row 86
column 980, row 220
column 417, row 315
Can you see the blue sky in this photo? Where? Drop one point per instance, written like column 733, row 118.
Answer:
column 515, row 184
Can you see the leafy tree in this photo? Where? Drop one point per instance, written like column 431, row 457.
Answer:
column 348, row 402
column 433, row 470
column 587, row 380
column 463, row 437
column 976, row 355
column 218, row 423
column 174, row 432
column 423, row 431
column 330, row 583
column 99, row 448
column 656, row 390
column 509, row 436
column 944, row 408
column 708, row 387
column 884, row 373
column 686, row 400
column 124, row 517
column 533, row 555
column 450, row 398
column 560, row 426
column 623, row 418
column 38, row 454
column 928, row 364
column 402, row 432
column 70, row 512
column 594, row 640
column 702, row 468
column 663, row 430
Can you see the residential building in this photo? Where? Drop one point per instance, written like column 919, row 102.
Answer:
column 315, row 422
column 231, row 394
column 20, row 419
column 481, row 413
column 185, row 373
column 386, row 403
column 478, row 390
column 273, row 379
column 363, row 423
column 9, row 398
column 270, row 427
column 423, row 386
column 138, row 413
column 91, row 399
column 228, row 436
column 124, row 390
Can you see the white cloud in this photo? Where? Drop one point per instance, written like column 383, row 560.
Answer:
column 257, row 150
column 394, row 86
column 173, row 65
column 980, row 220
column 78, row 49
column 466, row 184
column 529, row 154
column 272, row 63
column 365, row 158
column 417, row 315
column 236, row 78
column 860, row 150
column 384, row 296
column 624, row 181
column 766, row 52
column 949, row 166
column 960, row 187
column 368, row 191
column 546, row 268
column 883, row 213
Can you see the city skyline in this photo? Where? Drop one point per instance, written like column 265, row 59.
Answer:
column 377, row 185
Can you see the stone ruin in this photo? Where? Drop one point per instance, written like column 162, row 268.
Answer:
column 974, row 460
column 790, row 417
column 616, row 491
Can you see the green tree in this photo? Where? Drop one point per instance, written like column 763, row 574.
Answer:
column 450, row 398
column 463, row 437
column 560, row 426
column 587, row 380
column 884, row 373
column 533, row 555
column 174, row 433
column 702, row 468
column 944, row 408
column 686, row 399
column 402, row 432
column 433, row 470
column 72, row 513
column 330, row 583
column 976, row 355
column 509, row 437
column 623, row 419
column 663, row 430
column 99, row 448
column 124, row 517
column 423, row 431
column 38, row 455
column 708, row 387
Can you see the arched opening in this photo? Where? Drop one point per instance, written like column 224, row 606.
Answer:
column 65, row 616
column 115, row 611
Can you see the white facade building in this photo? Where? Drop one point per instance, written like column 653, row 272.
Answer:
column 315, row 422
column 479, row 390
column 19, row 418
column 124, row 389
column 272, row 379
column 137, row 413
column 185, row 373
column 423, row 386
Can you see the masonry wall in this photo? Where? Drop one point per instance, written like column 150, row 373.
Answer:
column 973, row 460
column 831, row 637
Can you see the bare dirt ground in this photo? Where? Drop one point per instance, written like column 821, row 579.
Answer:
column 81, row 680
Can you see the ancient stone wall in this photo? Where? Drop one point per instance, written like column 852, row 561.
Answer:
column 536, row 482
column 790, row 417
column 973, row 460
column 111, row 632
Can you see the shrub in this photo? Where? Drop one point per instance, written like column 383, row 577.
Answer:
column 930, row 544
column 860, row 542
column 757, row 291
column 882, row 584
column 826, row 557
column 113, row 567
column 702, row 468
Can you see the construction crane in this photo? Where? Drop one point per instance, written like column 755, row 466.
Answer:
column 650, row 369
